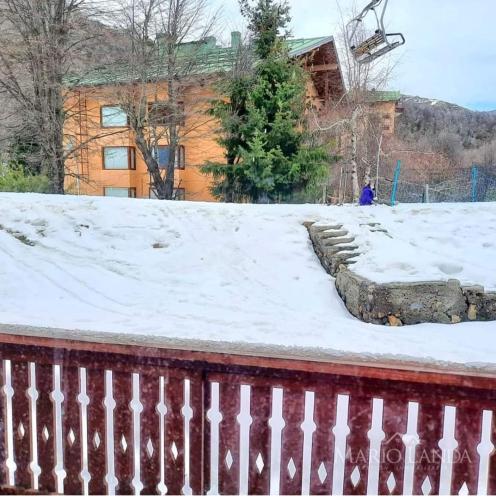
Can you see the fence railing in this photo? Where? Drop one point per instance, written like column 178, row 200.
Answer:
column 95, row 418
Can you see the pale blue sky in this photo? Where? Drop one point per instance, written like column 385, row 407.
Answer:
column 450, row 52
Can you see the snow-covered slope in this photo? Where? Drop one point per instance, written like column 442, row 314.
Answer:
column 424, row 242
column 234, row 273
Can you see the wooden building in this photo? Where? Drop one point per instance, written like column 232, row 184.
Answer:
column 106, row 161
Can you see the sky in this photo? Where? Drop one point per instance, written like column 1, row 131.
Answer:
column 450, row 52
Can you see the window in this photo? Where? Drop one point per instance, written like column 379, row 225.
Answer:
column 179, row 194
column 113, row 116
column 162, row 156
column 164, row 113
column 118, row 192
column 180, row 158
column 119, row 158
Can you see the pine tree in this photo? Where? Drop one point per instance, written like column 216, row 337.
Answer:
column 263, row 131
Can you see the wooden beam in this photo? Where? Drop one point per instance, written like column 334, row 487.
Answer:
column 323, row 67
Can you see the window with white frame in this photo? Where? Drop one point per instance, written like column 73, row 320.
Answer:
column 179, row 194
column 119, row 158
column 120, row 192
column 113, row 116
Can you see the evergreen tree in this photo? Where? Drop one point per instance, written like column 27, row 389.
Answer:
column 263, row 120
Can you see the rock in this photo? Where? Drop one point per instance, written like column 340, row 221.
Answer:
column 321, row 229
column 455, row 319
column 330, row 242
column 488, row 309
column 335, row 250
column 333, row 234
column 394, row 321
column 472, row 312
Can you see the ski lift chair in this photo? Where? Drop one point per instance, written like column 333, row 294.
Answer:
column 377, row 45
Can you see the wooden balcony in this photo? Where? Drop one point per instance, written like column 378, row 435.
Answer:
column 104, row 417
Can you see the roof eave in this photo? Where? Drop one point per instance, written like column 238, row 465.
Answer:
column 316, row 45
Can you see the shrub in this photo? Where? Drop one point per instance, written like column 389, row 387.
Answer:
column 14, row 178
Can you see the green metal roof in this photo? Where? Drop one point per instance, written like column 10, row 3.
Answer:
column 210, row 59
column 384, row 95
column 299, row 46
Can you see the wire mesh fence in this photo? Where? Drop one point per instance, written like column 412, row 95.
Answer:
column 403, row 183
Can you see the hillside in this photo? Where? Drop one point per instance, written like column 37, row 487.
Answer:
column 424, row 119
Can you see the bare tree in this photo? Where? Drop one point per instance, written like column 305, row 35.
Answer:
column 353, row 118
column 35, row 52
column 170, row 47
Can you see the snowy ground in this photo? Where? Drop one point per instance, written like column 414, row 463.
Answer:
column 235, row 273
column 424, row 242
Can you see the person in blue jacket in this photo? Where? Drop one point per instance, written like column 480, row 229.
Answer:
column 367, row 196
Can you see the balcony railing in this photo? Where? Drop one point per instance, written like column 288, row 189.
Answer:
column 80, row 417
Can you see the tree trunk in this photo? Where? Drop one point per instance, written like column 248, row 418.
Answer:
column 377, row 165
column 171, row 164
column 172, row 126
column 354, row 167
column 158, row 184
column 354, row 153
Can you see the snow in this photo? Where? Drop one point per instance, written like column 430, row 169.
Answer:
column 244, row 274
column 424, row 242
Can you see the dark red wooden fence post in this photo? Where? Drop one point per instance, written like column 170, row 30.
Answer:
column 428, row 453
column 323, row 441
column 259, row 453
column 229, row 453
column 393, row 451
column 174, row 433
column 72, row 431
column 150, row 432
column 466, row 459
column 45, row 414
column 357, row 443
column 196, row 429
column 123, row 432
column 21, row 423
column 97, row 436
column 293, row 413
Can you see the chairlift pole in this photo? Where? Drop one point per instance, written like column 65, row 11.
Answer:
column 475, row 178
column 395, row 183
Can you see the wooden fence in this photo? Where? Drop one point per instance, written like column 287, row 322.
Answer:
column 96, row 418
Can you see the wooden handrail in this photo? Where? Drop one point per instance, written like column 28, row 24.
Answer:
column 228, row 354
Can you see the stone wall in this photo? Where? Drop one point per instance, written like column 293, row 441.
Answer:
column 396, row 304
